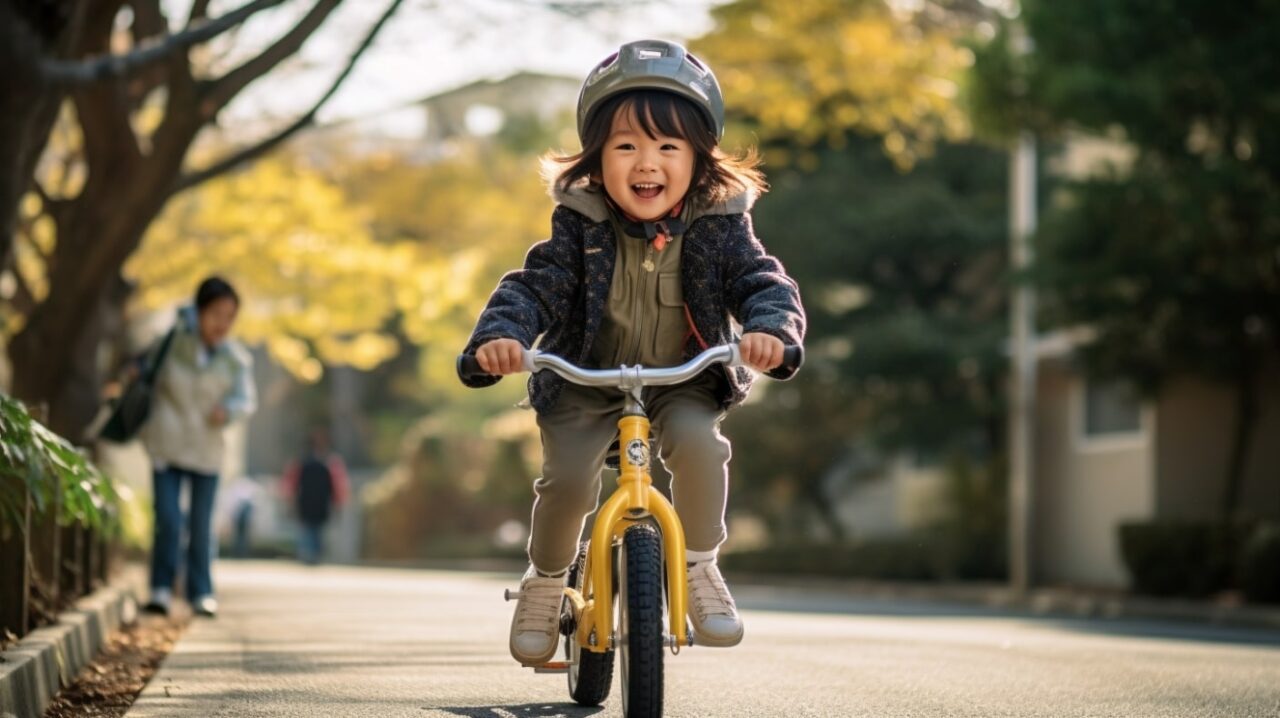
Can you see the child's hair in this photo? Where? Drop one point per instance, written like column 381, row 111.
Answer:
column 212, row 289
column 715, row 173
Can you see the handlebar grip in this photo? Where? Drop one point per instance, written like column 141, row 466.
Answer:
column 792, row 358
column 469, row 368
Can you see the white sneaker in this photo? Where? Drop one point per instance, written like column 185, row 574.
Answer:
column 160, row 600
column 711, row 609
column 535, row 628
column 206, row 606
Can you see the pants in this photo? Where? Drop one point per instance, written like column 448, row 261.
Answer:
column 310, row 541
column 167, row 544
column 576, row 434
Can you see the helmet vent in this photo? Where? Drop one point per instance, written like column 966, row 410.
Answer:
column 649, row 54
column 695, row 62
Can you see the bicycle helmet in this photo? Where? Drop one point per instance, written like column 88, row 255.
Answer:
column 653, row 65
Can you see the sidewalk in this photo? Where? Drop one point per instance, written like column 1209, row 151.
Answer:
column 294, row 640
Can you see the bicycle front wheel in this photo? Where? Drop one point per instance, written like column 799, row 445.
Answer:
column 640, row 624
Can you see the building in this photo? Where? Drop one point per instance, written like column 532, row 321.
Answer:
column 1105, row 456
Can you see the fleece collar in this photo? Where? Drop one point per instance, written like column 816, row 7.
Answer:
column 590, row 201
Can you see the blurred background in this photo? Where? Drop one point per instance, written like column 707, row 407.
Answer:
column 1039, row 245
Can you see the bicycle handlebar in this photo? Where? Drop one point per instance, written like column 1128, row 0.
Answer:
column 626, row 377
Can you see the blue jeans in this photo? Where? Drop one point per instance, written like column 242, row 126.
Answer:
column 310, row 541
column 167, row 545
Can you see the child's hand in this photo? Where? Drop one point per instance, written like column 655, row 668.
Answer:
column 502, row 356
column 761, row 352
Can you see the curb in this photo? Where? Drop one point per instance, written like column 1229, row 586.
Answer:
column 49, row 658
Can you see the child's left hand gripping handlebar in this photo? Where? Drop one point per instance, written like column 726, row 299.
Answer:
column 469, row 367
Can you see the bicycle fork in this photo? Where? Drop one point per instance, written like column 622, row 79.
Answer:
column 634, row 499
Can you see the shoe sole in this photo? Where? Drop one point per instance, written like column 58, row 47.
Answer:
column 539, row 660
column 702, row 639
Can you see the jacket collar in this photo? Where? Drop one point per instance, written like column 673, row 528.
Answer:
column 590, row 202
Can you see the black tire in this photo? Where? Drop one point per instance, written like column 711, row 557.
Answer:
column 640, row 625
column 590, row 673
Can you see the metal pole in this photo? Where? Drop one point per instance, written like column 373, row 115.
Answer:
column 1022, row 389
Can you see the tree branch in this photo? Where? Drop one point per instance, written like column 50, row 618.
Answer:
column 149, row 21
column 81, row 72
column 229, row 85
column 199, row 11
column 192, row 179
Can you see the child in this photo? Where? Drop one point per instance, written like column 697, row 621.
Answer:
column 650, row 257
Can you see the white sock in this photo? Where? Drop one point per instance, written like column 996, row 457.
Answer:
column 700, row 556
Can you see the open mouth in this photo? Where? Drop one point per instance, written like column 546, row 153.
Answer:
column 646, row 190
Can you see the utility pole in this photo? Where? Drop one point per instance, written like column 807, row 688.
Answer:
column 1022, row 389
column 1022, row 333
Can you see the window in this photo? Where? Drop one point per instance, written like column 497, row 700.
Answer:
column 1111, row 408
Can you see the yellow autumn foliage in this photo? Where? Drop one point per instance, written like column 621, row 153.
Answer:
column 318, row 287
column 329, row 255
column 810, row 72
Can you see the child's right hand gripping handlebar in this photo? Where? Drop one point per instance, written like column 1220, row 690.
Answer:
column 534, row 360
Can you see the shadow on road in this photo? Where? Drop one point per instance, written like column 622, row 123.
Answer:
column 525, row 710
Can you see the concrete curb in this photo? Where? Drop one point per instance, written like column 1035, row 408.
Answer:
column 49, row 658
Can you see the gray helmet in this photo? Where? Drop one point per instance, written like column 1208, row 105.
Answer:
column 653, row 65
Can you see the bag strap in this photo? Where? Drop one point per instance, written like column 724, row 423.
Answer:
column 149, row 376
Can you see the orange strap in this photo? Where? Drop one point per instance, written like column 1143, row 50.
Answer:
column 692, row 329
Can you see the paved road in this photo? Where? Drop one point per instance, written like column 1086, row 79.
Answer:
column 293, row 641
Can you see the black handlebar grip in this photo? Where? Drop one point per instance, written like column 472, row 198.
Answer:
column 792, row 358
column 469, row 368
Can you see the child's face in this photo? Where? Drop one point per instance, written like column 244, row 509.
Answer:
column 645, row 176
column 215, row 320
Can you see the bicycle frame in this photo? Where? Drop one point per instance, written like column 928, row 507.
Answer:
column 634, row 499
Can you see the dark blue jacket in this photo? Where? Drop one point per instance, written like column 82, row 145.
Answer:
column 563, row 287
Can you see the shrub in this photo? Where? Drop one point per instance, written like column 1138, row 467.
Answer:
column 908, row 558
column 1260, row 564
column 1177, row 558
column 38, row 462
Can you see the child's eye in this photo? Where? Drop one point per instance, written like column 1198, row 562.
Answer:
column 670, row 146
column 625, row 146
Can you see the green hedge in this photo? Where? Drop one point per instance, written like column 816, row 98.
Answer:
column 907, row 559
column 1260, row 564
column 1198, row 558
column 1180, row 558
column 38, row 462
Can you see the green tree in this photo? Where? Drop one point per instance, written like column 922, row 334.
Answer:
column 1174, row 261
column 903, row 279
column 894, row 230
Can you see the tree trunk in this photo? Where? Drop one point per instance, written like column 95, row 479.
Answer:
column 1242, row 440
column 28, row 109
column 55, row 355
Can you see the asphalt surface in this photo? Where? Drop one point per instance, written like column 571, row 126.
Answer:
column 339, row 641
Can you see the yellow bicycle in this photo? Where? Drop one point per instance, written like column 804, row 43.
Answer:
column 628, row 590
